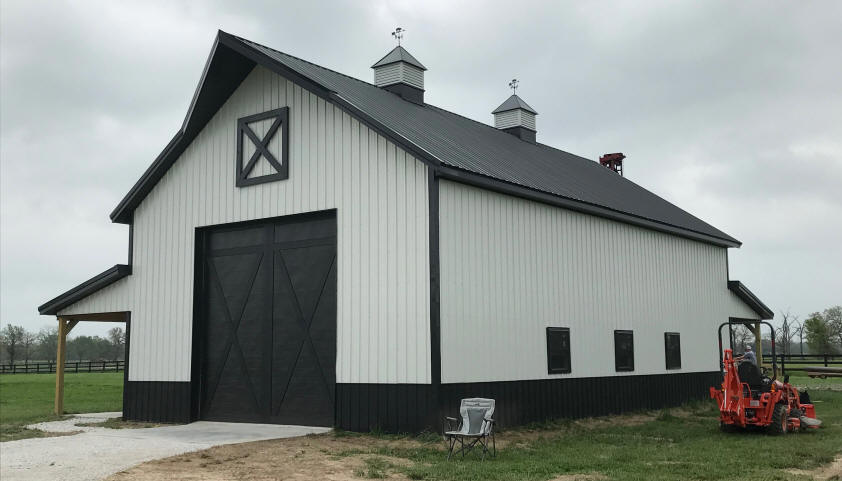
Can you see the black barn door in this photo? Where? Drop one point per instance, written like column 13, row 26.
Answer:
column 269, row 322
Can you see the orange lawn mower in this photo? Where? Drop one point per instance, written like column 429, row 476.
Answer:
column 750, row 398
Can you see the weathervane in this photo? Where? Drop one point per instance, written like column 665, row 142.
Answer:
column 398, row 34
column 513, row 85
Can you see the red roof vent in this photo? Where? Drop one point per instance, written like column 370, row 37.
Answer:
column 613, row 162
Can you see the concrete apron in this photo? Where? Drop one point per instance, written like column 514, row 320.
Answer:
column 100, row 452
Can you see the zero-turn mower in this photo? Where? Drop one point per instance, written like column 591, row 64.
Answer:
column 749, row 397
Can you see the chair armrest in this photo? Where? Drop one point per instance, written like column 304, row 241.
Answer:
column 453, row 424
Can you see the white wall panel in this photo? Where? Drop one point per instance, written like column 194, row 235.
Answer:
column 379, row 191
column 113, row 298
column 512, row 267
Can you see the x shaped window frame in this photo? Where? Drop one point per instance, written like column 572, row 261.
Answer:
column 261, row 147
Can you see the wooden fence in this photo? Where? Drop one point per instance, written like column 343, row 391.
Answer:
column 47, row 367
column 801, row 362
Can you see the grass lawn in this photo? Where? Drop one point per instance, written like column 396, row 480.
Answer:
column 681, row 443
column 28, row 398
column 677, row 444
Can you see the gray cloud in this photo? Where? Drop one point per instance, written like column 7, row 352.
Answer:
column 732, row 111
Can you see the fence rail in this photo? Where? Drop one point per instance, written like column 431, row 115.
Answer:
column 801, row 362
column 47, row 367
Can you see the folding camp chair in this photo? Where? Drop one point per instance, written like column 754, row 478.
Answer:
column 475, row 428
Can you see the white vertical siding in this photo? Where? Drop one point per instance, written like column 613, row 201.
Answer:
column 512, row 267
column 379, row 191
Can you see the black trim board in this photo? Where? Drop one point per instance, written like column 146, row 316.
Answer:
column 85, row 289
column 127, row 342
column 435, row 286
column 750, row 299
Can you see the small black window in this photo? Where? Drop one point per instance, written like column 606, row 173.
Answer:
column 624, row 350
column 672, row 349
column 558, row 350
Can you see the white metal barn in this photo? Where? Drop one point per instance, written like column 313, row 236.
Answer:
column 313, row 249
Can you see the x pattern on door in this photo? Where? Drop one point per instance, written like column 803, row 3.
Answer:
column 286, row 299
column 247, row 136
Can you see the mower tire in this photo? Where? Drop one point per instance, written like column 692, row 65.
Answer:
column 779, row 420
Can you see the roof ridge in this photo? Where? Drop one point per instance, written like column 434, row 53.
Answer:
column 376, row 87
column 435, row 107
column 306, row 61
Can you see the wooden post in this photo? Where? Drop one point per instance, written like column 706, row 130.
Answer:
column 64, row 326
column 60, row 355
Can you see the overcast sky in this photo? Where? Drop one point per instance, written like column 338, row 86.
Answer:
column 731, row 110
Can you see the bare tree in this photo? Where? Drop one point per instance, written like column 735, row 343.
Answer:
column 786, row 332
column 28, row 343
column 742, row 337
column 117, row 338
column 47, row 343
column 12, row 341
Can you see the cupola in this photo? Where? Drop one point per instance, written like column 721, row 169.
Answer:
column 400, row 73
column 515, row 116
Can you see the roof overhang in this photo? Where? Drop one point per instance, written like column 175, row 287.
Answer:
column 230, row 61
column 85, row 289
column 750, row 299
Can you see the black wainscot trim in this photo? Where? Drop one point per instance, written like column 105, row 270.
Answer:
column 157, row 401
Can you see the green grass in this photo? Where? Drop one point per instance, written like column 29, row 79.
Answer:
column 802, row 380
column 28, row 398
column 676, row 444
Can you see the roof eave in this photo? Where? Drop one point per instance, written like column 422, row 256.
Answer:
column 750, row 299
column 85, row 289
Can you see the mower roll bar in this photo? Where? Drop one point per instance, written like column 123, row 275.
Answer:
column 730, row 324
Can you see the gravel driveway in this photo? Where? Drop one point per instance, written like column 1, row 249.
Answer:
column 97, row 452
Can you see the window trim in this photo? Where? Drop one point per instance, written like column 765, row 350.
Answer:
column 617, row 366
column 666, row 350
column 281, row 115
column 550, row 368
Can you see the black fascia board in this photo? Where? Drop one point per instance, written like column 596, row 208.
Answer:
column 750, row 299
column 478, row 180
column 224, row 70
column 85, row 289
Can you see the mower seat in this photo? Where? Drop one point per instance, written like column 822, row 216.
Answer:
column 750, row 374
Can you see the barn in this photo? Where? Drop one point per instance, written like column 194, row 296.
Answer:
column 310, row 248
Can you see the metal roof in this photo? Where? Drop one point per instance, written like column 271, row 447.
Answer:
column 398, row 54
column 750, row 299
column 85, row 289
column 512, row 103
column 444, row 139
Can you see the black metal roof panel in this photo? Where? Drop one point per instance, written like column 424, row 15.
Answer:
column 399, row 54
column 434, row 135
column 476, row 147
column 85, row 289
column 750, row 299
column 512, row 103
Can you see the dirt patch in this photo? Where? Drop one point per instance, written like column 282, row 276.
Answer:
column 322, row 456
column 118, row 423
column 580, row 477
column 832, row 471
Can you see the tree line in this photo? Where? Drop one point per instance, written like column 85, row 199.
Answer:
column 20, row 345
column 818, row 333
